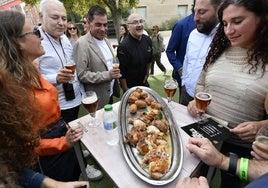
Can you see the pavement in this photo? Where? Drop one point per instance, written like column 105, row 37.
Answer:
column 164, row 59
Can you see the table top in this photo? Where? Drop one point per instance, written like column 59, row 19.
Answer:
column 112, row 160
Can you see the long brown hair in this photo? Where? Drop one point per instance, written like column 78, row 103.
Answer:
column 11, row 57
column 17, row 138
column 258, row 53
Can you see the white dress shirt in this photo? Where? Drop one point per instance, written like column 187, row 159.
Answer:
column 49, row 64
column 195, row 57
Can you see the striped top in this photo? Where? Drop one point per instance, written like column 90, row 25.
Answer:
column 237, row 96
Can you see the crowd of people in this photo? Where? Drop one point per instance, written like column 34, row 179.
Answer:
column 221, row 48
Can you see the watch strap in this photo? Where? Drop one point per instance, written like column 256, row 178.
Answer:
column 232, row 163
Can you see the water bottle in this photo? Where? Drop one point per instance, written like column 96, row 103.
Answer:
column 110, row 122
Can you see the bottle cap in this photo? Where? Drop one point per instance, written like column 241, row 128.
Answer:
column 108, row 107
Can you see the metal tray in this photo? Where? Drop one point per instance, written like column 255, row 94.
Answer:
column 130, row 153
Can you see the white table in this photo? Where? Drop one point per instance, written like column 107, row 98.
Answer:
column 112, row 160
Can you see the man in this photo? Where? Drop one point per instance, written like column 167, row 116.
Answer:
column 94, row 57
column 206, row 19
column 58, row 51
column 256, row 170
column 135, row 54
column 177, row 45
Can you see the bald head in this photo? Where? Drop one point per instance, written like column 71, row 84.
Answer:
column 135, row 25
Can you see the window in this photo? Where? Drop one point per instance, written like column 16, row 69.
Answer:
column 182, row 10
column 142, row 11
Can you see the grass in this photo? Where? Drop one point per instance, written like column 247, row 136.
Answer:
column 156, row 84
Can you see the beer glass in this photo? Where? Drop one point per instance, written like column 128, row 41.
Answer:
column 116, row 65
column 262, row 135
column 170, row 87
column 90, row 102
column 202, row 100
column 70, row 64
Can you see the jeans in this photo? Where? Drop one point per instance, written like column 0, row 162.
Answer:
column 185, row 98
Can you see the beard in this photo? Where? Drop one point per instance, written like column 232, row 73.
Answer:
column 208, row 26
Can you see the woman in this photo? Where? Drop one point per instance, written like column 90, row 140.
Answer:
column 123, row 32
column 235, row 73
column 16, row 127
column 72, row 32
column 20, row 45
column 158, row 48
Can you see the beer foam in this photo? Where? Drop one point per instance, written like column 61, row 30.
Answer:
column 170, row 86
column 90, row 100
column 203, row 96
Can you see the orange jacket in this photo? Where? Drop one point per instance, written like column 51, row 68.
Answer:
column 47, row 99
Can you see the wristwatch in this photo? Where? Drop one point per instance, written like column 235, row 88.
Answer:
column 232, row 163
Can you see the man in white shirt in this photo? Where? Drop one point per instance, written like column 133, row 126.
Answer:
column 198, row 46
column 94, row 57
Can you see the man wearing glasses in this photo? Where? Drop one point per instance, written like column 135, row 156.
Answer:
column 135, row 54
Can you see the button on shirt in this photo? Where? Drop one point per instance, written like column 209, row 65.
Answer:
column 195, row 57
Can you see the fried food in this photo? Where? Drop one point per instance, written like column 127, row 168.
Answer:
column 133, row 108
column 149, row 100
column 143, row 95
column 156, row 105
column 140, row 104
column 132, row 99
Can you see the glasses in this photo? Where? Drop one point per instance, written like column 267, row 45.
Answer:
column 71, row 28
column 137, row 22
column 35, row 32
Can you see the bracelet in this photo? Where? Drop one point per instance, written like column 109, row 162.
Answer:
column 232, row 164
column 243, row 170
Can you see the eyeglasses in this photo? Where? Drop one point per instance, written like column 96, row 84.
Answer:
column 71, row 28
column 35, row 32
column 137, row 22
column 84, row 22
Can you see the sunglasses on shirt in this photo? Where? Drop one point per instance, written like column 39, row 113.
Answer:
column 35, row 32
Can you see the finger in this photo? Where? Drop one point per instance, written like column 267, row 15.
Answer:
column 203, row 181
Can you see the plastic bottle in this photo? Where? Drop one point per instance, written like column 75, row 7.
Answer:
column 110, row 123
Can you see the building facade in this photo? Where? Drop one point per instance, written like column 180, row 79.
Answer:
column 157, row 12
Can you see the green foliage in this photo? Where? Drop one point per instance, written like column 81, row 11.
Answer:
column 168, row 24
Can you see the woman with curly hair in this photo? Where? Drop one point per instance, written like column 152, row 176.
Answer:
column 72, row 32
column 235, row 73
column 17, row 148
column 20, row 45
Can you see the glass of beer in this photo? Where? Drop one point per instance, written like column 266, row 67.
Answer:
column 170, row 88
column 70, row 64
column 90, row 102
column 116, row 65
column 202, row 100
column 262, row 136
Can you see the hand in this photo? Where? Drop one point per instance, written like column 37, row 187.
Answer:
column 205, row 150
column 48, row 182
column 73, row 135
column 64, row 76
column 192, row 109
column 180, row 72
column 247, row 130
column 146, row 77
column 114, row 73
column 187, row 182
column 260, row 151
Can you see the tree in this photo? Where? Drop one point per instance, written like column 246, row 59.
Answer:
column 116, row 7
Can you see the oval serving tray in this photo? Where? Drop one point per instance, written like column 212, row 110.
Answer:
column 131, row 154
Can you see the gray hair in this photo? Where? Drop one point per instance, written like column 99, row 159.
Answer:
column 43, row 5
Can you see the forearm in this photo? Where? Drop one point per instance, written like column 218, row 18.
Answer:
column 123, row 84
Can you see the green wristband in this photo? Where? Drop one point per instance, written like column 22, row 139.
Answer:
column 243, row 170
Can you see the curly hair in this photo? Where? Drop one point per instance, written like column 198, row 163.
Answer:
column 11, row 25
column 258, row 53
column 18, row 139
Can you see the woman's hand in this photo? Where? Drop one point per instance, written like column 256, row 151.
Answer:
column 192, row 109
column 247, row 130
column 260, row 151
column 73, row 135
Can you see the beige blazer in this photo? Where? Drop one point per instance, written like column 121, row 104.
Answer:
column 91, row 67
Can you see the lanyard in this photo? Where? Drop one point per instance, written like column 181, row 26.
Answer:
column 56, row 50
